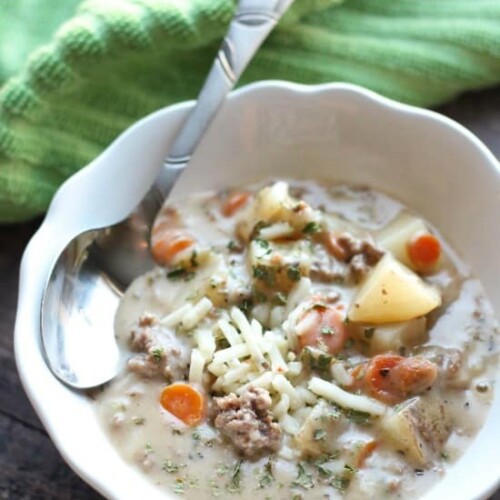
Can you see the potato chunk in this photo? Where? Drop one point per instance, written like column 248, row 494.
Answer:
column 397, row 335
column 395, row 236
column 392, row 293
column 420, row 429
column 319, row 432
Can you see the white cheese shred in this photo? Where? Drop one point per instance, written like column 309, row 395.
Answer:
column 196, row 367
column 264, row 382
column 232, row 336
column 196, row 313
column 345, row 399
column 175, row 317
column 275, row 231
column 283, row 386
column 248, row 334
column 206, row 344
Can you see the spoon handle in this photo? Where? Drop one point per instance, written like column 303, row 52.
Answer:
column 251, row 24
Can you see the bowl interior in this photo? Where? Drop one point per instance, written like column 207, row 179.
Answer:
column 336, row 133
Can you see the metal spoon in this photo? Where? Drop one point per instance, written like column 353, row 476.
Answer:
column 90, row 275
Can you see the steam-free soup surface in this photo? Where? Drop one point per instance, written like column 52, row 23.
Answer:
column 299, row 341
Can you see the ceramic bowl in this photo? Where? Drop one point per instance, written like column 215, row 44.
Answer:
column 334, row 132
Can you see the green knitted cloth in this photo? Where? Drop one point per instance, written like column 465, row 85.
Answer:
column 75, row 74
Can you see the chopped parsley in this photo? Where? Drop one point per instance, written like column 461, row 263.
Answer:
column 246, row 305
column 178, row 486
column 328, row 330
column 311, row 228
column 264, row 274
column 303, row 479
column 369, row 333
column 222, row 469
column 193, row 261
column 138, row 420
column 157, row 354
column 180, row 273
column 234, row 246
column 293, row 273
column 234, row 485
column 266, row 477
column 358, row 417
column 316, row 359
column 342, row 481
column 319, row 435
column 262, row 243
column 170, row 466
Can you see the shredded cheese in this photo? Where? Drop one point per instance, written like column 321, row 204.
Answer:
column 196, row 313
column 345, row 399
column 196, row 367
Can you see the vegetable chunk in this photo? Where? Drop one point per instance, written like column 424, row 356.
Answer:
column 392, row 293
column 419, row 429
column 184, row 402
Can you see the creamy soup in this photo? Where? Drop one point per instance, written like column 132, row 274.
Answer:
column 299, row 340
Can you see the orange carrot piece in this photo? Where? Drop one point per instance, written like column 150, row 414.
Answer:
column 379, row 380
column 167, row 244
column 234, row 202
column 366, row 450
column 326, row 326
column 424, row 251
column 184, row 402
column 392, row 378
column 334, row 248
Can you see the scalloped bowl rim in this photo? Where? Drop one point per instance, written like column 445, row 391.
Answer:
column 29, row 358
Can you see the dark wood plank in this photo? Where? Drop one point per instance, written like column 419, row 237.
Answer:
column 31, row 468
column 13, row 239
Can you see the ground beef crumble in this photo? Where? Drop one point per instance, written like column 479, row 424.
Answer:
column 247, row 421
column 360, row 254
column 159, row 351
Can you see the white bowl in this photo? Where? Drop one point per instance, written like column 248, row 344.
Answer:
column 340, row 133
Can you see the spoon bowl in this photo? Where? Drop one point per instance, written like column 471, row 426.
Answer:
column 96, row 265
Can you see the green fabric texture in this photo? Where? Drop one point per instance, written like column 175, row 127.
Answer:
column 76, row 74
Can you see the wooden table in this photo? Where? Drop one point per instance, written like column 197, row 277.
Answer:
column 30, row 466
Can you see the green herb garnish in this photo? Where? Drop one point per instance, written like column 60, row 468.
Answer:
column 234, row 484
column 342, row 481
column 157, row 354
column 328, row 330
column 319, row 435
column 304, row 479
column 293, row 273
column 311, row 228
column 170, row 466
column 265, row 274
column 369, row 332
column 267, row 477
column 180, row 274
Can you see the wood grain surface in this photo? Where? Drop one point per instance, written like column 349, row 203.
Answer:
column 30, row 466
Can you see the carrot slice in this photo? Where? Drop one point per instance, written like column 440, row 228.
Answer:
column 366, row 450
column 167, row 244
column 424, row 251
column 392, row 378
column 334, row 248
column 324, row 325
column 184, row 402
column 379, row 380
column 234, row 202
